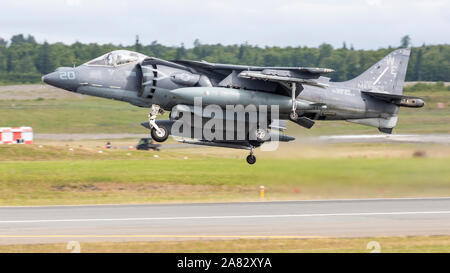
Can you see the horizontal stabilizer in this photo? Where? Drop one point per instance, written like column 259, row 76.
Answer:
column 400, row 100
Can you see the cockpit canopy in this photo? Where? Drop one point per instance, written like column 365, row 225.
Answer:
column 116, row 58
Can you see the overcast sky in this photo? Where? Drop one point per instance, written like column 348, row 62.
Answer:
column 367, row 24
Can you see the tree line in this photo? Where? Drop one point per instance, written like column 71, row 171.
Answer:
column 23, row 60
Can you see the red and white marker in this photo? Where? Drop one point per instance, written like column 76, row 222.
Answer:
column 16, row 135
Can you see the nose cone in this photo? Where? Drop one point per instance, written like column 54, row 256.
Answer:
column 52, row 79
column 64, row 78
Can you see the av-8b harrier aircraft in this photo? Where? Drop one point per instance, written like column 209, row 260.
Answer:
column 200, row 94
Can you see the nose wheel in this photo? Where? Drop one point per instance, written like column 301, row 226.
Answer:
column 251, row 159
column 159, row 135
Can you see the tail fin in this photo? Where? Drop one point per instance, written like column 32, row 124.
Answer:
column 387, row 75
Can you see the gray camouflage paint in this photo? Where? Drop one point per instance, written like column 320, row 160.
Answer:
column 372, row 98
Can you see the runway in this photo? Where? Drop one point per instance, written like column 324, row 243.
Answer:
column 289, row 219
column 386, row 138
column 375, row 138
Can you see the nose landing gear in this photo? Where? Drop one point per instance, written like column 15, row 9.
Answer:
column 159, row 134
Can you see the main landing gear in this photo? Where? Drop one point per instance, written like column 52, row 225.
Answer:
column 251, row 159
column 159, row 134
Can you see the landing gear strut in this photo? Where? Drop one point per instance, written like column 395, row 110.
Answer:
column 251, row 159
column 159, row 134
column 293, row 115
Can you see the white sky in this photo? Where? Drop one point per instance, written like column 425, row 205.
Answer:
column 367, row 24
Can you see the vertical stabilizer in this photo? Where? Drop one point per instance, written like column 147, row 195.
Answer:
column 387, row 75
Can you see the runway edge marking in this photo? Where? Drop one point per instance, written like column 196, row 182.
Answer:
column 225, row 217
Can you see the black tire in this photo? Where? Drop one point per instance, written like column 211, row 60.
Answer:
column 160, row 137
column 293, row 116
column 251, row 159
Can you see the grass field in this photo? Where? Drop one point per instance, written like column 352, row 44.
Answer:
column 80, row 114
column 74, row 172
column 427, row 244
column 30, row 175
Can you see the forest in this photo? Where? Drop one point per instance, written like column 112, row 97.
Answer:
column 24, row 60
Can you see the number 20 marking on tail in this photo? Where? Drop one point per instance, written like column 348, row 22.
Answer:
column 67, row 75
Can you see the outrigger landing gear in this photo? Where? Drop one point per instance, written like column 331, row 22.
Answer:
column 293, row 115
column 159, row 134
column 251, row 159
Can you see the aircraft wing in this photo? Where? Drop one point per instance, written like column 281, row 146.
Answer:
column 216, row 66
column 279, row 76
column 284, row 75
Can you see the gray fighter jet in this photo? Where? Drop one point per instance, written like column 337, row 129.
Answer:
column 300, row 94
